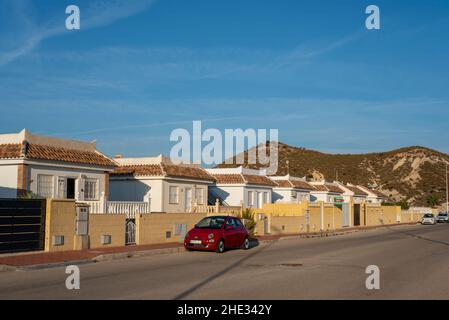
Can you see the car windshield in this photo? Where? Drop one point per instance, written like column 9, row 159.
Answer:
column 211, row 223
column 443, row 214
column 428, row 215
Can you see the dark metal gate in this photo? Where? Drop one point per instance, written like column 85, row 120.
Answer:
column 22, row 225
column 356, row 214
column 130, row 236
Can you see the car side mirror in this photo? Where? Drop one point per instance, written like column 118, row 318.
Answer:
column 228, row 228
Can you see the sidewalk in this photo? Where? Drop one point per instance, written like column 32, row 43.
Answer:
column 28, row 259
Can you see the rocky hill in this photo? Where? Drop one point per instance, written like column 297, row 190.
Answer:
column 413, row 174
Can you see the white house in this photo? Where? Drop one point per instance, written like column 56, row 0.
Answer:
column 241, row 186
column 172, row 188
column 374, row 196
column 326, row 192
column 290, row 189
column 353, row 192
column 52, row 168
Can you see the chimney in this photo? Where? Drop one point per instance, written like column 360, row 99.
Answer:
column 118, row 156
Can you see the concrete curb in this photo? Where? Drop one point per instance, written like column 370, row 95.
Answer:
column 6, row 268
column 53, row 265
column 144, row 253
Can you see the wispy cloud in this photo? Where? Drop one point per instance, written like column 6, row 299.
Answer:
column 98, row 13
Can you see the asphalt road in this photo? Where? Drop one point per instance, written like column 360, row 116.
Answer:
column 413, row 262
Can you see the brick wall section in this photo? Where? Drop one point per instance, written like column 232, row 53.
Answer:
column 22, row 179
column 106, row 185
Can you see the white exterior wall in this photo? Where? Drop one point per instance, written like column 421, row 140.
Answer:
column 130, row 189
column 8, row 181
column 318, row 196
column 182, row 205
column 282, row 195
column 136, row 189
column 75, row 173
column 233, row 195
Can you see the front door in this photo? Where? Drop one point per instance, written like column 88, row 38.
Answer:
column 70, row 188
column 188, row 199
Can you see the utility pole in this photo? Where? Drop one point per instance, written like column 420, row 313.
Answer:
column 447, row 193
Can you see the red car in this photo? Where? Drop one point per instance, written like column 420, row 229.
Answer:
column 216, row 234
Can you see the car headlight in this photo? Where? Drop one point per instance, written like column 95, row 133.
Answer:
column 211, row 236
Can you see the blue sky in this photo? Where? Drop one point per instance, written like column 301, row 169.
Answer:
column 138, row 69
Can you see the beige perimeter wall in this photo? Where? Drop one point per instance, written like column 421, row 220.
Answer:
column 107, row 224
column 60, row 221
column 155, row 227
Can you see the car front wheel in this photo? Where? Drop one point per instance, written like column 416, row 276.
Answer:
column 246, row 244
column 220, row 246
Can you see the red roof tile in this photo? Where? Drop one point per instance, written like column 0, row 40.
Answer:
column 357, row 191
column 229, row 178
column 10, row 151
column 164, row 170
column 259, row 180
column 43, row 152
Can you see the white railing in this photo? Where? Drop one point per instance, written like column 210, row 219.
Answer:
column 130, row 208
column 204, row 209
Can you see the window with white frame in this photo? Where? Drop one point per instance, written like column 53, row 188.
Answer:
column 199, row 195
column 45, row 185
column 265, row 197
column 250, row 198
column 62, row 187
column 90, row 189
column 173, row 195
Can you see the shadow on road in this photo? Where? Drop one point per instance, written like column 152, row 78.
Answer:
column 254, row 243
column 410, row 234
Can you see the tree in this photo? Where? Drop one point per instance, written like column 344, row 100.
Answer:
column 432, row 201
column 404, row 204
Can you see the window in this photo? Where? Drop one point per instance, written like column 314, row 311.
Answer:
column 250, row 198
column 173, row 195
column 237, row 222
column 90, row 189
column 45, row 185
column 265, row 197
column 62, row 187
column 199, row 195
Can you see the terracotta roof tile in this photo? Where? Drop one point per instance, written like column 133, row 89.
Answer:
column 179, row 171
column 10, row 151
column 259, row 180
column 139, row 170
column 288, row 183
column 229, row 178
column 301, row 185
column 163, row 170
column 357, row 191
column 283, row 183
column 320, row 187
column 334, row 188
column 43, row 152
